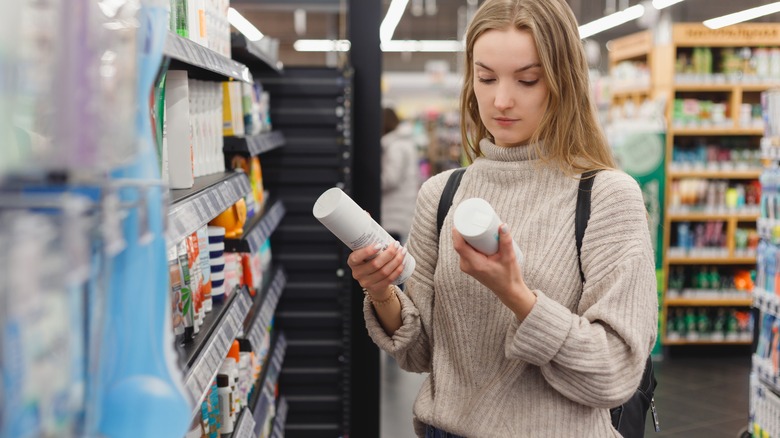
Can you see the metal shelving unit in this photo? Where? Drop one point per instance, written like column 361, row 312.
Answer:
column 201, row 62
column 255, row 144
column 211, row 195
column 258, row 229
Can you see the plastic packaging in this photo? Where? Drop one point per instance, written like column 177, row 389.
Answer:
column 354, row 227
column 478, row 223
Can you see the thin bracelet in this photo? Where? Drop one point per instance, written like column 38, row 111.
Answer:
column 379, row 303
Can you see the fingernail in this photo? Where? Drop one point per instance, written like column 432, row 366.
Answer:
column 397, row 244
column 404, row 251
column 378, row 247
column 504, row 228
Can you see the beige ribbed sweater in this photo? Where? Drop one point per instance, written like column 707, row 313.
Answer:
column 556, row 373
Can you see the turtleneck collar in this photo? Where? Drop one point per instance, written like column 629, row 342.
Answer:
column 499, row 153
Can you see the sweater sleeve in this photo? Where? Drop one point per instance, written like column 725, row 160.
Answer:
column 411, row 345
column 596, row 356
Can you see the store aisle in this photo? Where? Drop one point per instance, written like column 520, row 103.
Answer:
column 399, row 389
column 701, row 397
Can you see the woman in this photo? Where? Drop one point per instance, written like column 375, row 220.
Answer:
column 522, row 351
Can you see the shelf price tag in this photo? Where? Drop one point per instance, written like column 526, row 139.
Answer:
column 246, row 425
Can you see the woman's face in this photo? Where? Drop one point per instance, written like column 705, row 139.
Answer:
column 509, row 85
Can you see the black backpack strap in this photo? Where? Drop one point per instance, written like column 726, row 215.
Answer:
column 582, row 216
column 447, row 195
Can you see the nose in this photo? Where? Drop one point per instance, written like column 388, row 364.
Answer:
column 503, row 99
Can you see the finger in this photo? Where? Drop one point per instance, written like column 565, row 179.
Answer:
column 359, row 256
column 505, row 243
column 458, row 242
column 388, row 273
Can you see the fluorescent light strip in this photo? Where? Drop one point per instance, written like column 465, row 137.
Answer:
column 393, row 17
column 322, row 45
column 610, row 21
column 244, row 26
column 660, row 4
column 439, row 46
column 738, row 17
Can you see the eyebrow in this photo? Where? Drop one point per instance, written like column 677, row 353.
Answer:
column 527, row 67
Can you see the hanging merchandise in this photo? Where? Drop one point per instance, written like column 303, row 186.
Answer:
column 139, row 375
column 42, row 314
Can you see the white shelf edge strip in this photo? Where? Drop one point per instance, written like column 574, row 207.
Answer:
column 267, row 309
column 196, row 55
column 185, row 217
column 263, row 230
column 246, row 425
column 198, row 378
column 766, row 302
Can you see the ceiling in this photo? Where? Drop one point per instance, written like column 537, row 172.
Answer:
column 326, row 19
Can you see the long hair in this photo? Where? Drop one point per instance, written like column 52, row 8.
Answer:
column 569, row 131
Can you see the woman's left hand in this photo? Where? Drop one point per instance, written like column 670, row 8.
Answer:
column 499, row 272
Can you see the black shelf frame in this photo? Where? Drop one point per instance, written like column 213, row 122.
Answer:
column 211, row 344
column 193, row 208
column 258, row 229
column 256, row 144
column 282, row 407
column 201, row 62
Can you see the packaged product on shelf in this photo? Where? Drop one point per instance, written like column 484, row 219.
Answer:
column 193, row 256
column 232, row 109
column 252, row 268
column 174, row 271
column 187, row 307
column 227, row 413
column 180, row 18
column 180, row 153
column 232, row 220
column 233, row 272
column 265, row 257
column 205, row 267
column 217, row 263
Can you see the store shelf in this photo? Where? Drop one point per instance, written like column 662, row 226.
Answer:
column 715, row 131
column 277, row 430
column 766, row 302
column 211, row 345
column 723, row 87
column 631, row 92
column 265, row 392
column 263, row 315
column 245, row 426
column 258, row 229
column 763, row 369
column 715, row 302
column 201, row 62
column 694, row 217
column 273, row 289
column 257, row 55
column 686, row 342
column 193, row 208
column 256, row 144
column 732, row 174
column 712, row 261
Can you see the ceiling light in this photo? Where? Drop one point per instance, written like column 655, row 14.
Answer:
column 244, row 26
column 610, row 21
column 660, row 4
column 738, row 17
column 422, row 46
column 322, row 45
column 394, row 14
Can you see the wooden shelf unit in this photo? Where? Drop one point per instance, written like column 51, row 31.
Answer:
column 661, row 61
column 709, row 302
column 698, row 217
column 721, row 174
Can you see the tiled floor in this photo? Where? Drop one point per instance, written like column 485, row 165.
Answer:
column 696, row 397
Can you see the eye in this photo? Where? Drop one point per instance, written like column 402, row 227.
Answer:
column 529, row 83
column 486, row 80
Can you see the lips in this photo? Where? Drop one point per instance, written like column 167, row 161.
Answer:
column 505, row 121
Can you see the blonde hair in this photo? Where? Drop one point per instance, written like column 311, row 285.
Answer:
column 569, row 129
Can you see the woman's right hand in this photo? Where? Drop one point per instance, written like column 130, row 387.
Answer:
column 377, row 267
